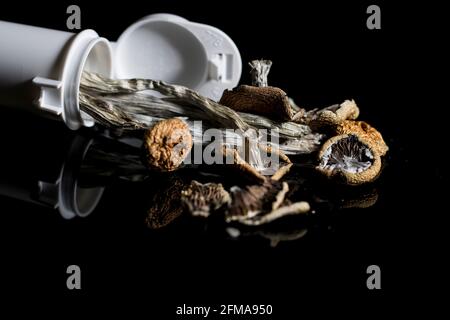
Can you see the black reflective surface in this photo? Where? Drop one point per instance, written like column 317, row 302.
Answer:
column 322, row 55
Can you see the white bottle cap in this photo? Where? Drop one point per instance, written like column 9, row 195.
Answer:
column 170, row 48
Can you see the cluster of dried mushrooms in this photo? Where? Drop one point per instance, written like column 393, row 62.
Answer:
column 347, row 150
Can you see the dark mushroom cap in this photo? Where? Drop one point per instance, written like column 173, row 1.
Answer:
column 201, row 199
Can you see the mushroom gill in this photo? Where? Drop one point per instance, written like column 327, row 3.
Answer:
column 350, row 158
column 347, row 154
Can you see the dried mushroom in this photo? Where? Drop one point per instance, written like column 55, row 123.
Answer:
column 266, row 101
column 366, row 131
column 329, row 118
column 233, row 160
column 289, row 209
column 260, row 204
column 353, row 153
column 165, row 203
column 259, row 98
column 252, row 173
column 349, row 158
column 252, row 205
column 167, row 144
column 201, row 199
column 259, row 72
column 251, row 200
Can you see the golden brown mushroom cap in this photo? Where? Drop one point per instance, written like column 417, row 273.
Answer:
column 167, row 144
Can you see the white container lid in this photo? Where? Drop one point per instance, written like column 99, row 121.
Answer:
column 170, row 48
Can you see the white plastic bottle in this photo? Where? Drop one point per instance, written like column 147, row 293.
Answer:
column 40, row 69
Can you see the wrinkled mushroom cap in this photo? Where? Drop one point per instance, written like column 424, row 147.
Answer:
column 167, row 144
column 366, row 131
column 271, row 102
column 201, row 199
column 165, row 205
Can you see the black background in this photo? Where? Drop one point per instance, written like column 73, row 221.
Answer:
column 322, row 53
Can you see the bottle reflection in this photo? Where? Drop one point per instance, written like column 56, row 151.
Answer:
column 74, row 199
column 41, row 164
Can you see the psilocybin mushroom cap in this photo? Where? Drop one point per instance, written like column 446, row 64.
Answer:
column 350, row 159
column 167, row 144
column 364, row 130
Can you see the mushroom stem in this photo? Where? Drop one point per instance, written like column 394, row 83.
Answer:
column 260, row 71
